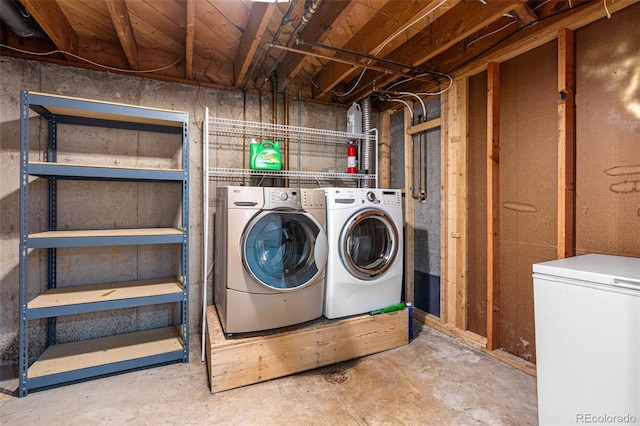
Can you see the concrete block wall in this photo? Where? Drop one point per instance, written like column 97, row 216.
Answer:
column 137, row 204
column 427, row 213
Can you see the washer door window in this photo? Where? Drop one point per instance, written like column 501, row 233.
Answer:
column 284, row 250
column 369, row 244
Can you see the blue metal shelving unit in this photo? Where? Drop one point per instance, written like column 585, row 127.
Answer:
column 108, row 354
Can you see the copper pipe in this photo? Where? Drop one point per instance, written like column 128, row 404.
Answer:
column 244, row 136
column 285, row 143
column 274, row 100
column 419, row 191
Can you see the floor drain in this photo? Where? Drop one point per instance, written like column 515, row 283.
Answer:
column 337, row 376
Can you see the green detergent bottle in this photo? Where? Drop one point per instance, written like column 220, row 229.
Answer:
column 265, row 155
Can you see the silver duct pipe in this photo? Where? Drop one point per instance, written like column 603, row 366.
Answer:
column 367, row 147
column 17, row 21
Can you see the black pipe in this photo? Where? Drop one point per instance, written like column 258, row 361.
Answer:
column 18, row 21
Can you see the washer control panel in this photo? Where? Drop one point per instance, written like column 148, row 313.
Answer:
column 280, row 198
column 313, row 198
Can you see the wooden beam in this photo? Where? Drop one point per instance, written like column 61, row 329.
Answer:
column 423, row 127
column 444, row 210
column 51, row 19
column 260, row 356
column 536, row 35
column 493, row 206
column 456, row 145
column 465, row 19
column 524, row 15
column 373, row 37
column 409, row 213
column 384, row 151
column 566, row 144
column 190, row 36
column 122, row 23
column 467, row 337
column 258, row 21
column 317, row 30
column 476, row 341
column 454, row 217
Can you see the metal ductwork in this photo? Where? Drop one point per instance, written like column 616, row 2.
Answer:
column 367, row 147
column 19, row 21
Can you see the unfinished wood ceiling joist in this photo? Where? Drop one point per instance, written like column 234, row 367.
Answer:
column 223, row 44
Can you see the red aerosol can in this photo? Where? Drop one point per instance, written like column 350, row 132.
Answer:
column 351, row 158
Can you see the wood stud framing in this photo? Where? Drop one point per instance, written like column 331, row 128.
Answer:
column 566, row 144
column 409, row 212
column 454, row 203
column 384, row 150
column 452, row 319
column 453, row 269
column 493, row 206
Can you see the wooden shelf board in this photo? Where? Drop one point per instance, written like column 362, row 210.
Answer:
column 72, row 356
column 64, row 296
column 129, row 232
column 94, row 166
column 78, row 112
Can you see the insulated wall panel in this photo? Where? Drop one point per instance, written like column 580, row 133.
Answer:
column 528, row 188
column 477, row 212
column 608, row 135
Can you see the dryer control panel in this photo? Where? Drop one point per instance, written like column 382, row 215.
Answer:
column 282, row 198
column 390, row 197
column 385, row 197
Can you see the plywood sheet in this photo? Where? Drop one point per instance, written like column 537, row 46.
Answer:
column 91, row 353
column 63, row 296
column 477, row 199
column 608, row 135
column 107, row 233
column 528, row 187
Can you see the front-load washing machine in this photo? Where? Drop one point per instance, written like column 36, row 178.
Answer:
column 271, row 252
column 365, row 264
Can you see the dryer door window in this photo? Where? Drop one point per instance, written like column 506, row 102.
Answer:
column 369, row 244
column 279, row 249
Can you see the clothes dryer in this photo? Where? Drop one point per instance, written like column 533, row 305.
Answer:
column 365, row 264
column 271, row 252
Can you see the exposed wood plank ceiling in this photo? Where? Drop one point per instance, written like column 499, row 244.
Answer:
column 325, row 50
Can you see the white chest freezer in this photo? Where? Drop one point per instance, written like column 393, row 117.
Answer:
column 587, row 323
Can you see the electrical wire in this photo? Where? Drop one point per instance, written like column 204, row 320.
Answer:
column 439, row 92
column 401, row 30
column 385, row 43
column 64, row 52
column 401, row 94
column 424, row 108
column 541, row 4
column 254, row 67
column 491, row 33
column 347, row 93
column 508, row 36
column 406, row 104
column 606, row 9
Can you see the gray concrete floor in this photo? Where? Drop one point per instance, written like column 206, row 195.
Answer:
column 434, row 380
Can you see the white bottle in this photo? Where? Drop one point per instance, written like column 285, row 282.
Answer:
column 354, row 119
